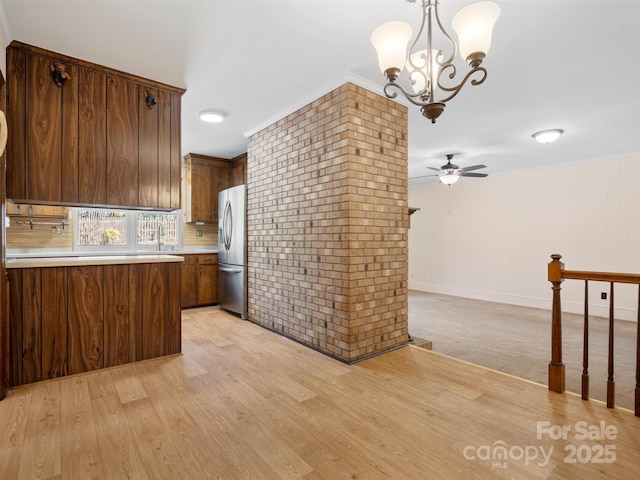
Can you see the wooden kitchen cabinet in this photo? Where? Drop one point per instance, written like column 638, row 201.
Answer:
column 238, row 170
column 122, row 142
column 92, row 138
column 85, row 318
column 95, row 139
column 221, row 181
column 189, row 281
column 207, row 279
column 205, row 177
column 199, row 280
column 66, row 320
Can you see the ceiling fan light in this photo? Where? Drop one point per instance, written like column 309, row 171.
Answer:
column 548, row 136
column 211, row 116
column 449, row 178
column 474, row 26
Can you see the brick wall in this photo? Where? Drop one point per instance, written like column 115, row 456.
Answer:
column 327, row 224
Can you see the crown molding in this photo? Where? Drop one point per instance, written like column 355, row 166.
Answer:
column 307, row 99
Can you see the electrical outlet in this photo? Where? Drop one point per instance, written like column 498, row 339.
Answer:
column 198, row 233
column 603, row 296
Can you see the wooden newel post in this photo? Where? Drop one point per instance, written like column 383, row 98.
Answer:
column 556, row 367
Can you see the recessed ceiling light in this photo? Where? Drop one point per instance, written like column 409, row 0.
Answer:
column 211, row 116
column 548, row 136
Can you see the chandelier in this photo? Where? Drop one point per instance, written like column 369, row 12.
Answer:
column 427, row 65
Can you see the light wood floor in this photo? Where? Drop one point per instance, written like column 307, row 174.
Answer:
column 242, row 402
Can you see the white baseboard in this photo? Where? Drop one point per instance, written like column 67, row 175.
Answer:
column 620, row 313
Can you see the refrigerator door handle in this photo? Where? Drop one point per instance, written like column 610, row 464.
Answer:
column 228, row 225
column 225, row 226
column 221, row 230
column 230, row 270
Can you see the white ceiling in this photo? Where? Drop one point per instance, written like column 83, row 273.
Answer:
column 553, row 64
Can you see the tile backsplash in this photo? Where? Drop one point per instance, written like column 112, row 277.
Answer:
column 209, row 236
column 20, row 235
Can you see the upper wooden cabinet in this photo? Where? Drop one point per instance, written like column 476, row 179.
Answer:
column 239, row 170
column 101, row 137
column 204, row 178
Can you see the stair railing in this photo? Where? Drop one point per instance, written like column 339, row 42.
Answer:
column 556, row 275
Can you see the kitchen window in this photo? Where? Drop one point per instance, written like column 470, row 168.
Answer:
column 157, row 231
column 102, row 230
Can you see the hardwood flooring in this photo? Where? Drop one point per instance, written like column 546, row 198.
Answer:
column 242, row 402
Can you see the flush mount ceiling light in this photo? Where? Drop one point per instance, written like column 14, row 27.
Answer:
column 425, row 63
column 212, row 116
column 548, row 136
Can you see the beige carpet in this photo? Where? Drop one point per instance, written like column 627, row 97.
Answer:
column 517, row 340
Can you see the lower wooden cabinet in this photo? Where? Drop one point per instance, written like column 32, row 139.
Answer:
column 66, row 320
column 199, row 280
column 189, row 279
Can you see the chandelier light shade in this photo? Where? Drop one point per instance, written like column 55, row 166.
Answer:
column 390, row 41
column 474, row 26
column 426, row 62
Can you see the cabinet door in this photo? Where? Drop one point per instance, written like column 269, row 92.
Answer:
column 54, row 322
column 176, row 149
column 148, row 148
column 85, row 319
column 238, row 174
column 122, row 142
column 164, row 151
column 117, row 333
column 92, row 134
column 207, row 280
column 203, row 203
column 155, row 311
column 189, row 281
column 69, row 155
column 174, row 317
column 43, row 132
column 221, row 175
column 31, row 326
column 15, row 326
column 16, row 118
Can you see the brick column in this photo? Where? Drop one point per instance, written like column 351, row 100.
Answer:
column 327, row 224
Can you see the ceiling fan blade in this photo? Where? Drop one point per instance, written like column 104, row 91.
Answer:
column 472, row 167
column 466, row 174
column 434, row 168
column 423, row 176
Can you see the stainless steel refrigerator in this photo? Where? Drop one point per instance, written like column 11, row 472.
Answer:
column 232, row 250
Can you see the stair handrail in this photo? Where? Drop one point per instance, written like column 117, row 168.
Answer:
column 556, row 275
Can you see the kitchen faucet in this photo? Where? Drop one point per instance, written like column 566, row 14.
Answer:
column 160, row 234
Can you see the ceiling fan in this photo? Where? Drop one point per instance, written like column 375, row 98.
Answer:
column 450, row 173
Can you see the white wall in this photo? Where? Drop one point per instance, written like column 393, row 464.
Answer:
column 4, row 40
column 492, row 238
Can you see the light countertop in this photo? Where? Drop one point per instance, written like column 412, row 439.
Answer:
column 72, row 261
